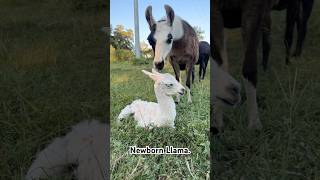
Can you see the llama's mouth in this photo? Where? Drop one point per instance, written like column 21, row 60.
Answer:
column 181, row 92
column 228, row 101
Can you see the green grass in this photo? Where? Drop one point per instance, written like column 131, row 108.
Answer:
column 129, row 83
column 288, row 146
column 52, row 75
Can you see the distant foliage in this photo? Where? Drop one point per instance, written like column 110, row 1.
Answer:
column 121, row 44
column 146, row 50
column 113, row 56
column 124, row 54
column 200, row 32
column 121, row 38
column 141, row 61
column 89, row 4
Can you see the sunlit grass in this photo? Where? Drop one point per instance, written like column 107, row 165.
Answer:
column 52, row 75
column 288, row 146
column 191, row 131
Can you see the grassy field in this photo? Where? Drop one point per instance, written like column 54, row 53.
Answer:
column 129, row 83
column 288, row 147
column 53, row 74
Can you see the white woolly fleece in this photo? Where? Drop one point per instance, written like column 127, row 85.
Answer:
column 84, row 146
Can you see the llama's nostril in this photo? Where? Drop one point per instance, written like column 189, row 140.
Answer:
column 235, row 90
column 159, row 65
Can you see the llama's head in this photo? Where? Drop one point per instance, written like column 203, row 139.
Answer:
column 165, row 83
column 162, row 34
column 225, row 88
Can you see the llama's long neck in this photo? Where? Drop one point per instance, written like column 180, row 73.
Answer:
column 166, row 103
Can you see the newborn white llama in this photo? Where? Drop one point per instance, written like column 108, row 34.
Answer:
column 161, row 114
column 84, row 146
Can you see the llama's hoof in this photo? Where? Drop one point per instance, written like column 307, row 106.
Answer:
column 189, row 101
column 297, row 53
column 214, row 130
column 255, row 125
column 265, row 67
column 288, row 62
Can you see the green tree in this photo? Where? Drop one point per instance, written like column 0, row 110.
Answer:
column 146, row 50
column 121, row 38
column 200, row 32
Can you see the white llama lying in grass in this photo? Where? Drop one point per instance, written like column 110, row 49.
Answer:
column 161, row 114
column 85, row 146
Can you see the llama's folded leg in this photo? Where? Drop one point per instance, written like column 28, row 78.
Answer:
column 86, row 147
column 49, row 162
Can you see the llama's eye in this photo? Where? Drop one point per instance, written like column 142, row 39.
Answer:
column 169, row 40
column 169, row 85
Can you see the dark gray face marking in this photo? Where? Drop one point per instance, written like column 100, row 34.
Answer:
column 152, row 41
column 169, row 40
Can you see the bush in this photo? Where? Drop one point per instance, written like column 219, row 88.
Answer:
column 124, row 55
column 113, row 57
column 89, row 4
column 141, row 61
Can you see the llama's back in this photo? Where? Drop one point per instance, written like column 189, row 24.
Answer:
column 145, row 113
column 85, row 145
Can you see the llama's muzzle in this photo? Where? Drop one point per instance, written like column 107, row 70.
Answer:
column 182, row 91
column 159, row 65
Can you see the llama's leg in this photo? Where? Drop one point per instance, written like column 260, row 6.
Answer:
column 299, row 23
column 252, row 106
column 176, row 69
column 200, row 71
column 290, row 22
column 251, row 31
column 266, row 40
column 205, row 67
column 193, row 71
column 125, row 112
column 218, row 42
column 303, row 17
column 188, row 84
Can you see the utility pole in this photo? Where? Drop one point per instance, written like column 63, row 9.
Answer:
column 136, row 30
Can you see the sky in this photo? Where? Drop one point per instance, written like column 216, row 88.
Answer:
column 195, row 12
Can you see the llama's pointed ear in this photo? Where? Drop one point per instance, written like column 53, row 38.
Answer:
column 170, row 14
column 154, row 71
column 146, row 72
column 149, row 17
column 151, row 75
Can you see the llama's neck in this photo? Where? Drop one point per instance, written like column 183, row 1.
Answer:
column 166, row 103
